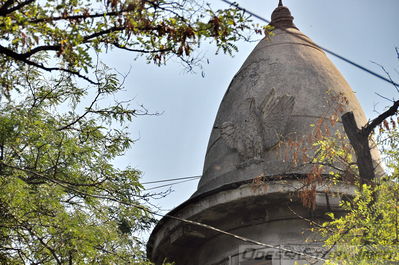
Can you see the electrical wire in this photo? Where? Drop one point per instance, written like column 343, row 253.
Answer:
column 167, row 180
column 312, row 43
column 170, row 184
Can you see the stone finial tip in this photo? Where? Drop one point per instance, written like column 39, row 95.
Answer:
column 281, row 17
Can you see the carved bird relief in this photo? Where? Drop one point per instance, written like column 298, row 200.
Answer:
column 260, row 128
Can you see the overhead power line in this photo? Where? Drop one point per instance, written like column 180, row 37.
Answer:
column 169, row 184
column 312, row 43
column 167, row 180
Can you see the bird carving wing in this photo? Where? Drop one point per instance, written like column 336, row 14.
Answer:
column 229, row 134
column 275, row 113
column 245, row 134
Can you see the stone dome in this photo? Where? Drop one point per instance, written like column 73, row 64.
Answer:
column 286, row 84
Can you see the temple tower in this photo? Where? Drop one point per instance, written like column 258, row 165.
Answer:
column 285, row 85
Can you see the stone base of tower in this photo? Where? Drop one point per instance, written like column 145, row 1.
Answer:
column 270, row 213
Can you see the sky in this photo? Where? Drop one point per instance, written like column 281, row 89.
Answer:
column 173, row 144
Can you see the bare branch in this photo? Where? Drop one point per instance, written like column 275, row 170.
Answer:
column 88, row 110
column 117, row 45
column 389, row 76
column 374, row 123
column 381, row 96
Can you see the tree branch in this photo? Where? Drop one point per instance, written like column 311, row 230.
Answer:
column 23, row 58
column 41, row 48
column 117, row 45
column 3, row 8
column 88, row 110
column 77, row 17
column 374, row 123
column 388, row 75
column 41, row 240
column 103, row 32
column 17, row 7
column 359, row 139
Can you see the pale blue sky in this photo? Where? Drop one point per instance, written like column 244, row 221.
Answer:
column 173, row 144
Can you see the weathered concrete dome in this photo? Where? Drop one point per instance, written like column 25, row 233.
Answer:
column 286, row 84
column 286, row 70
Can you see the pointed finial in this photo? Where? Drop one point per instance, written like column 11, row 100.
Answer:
column 281, row 17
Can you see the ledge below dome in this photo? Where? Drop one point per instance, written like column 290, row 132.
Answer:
column 271, row 214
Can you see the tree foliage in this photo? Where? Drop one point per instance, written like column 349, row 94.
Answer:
column 369, row 232
column 65, row 35
column 62, row 201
